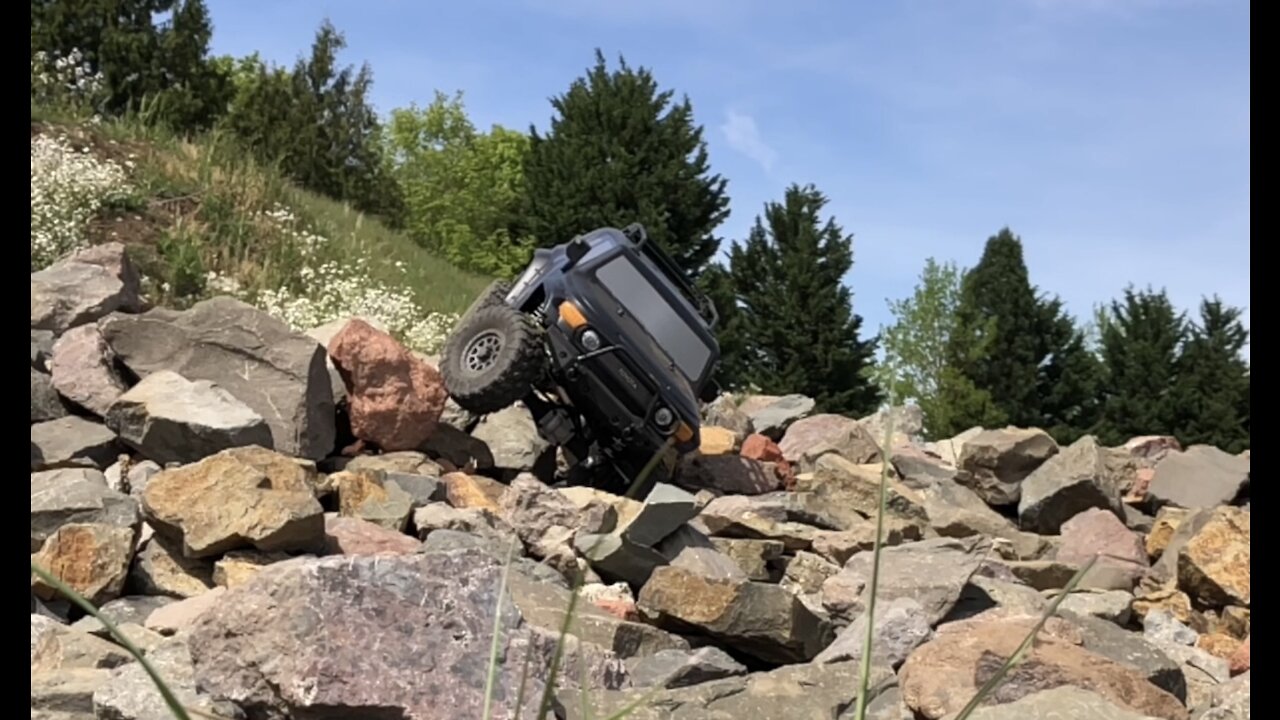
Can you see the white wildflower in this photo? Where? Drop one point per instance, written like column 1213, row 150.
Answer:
column 69, row 78
column 68, row 187
column 333, row 291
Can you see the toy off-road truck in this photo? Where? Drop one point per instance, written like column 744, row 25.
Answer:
column 606, row 342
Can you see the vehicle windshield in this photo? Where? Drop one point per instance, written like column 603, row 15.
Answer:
column 625, row 282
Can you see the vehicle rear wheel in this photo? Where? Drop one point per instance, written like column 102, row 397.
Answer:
column 492, row 358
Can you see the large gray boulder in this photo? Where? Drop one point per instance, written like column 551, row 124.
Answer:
column 280, row 374
column 310, row 638
column 170, row 419
column 995, row 462
column 1201, row 477
column 72, row 441
column 88, row 285
column 1072, row 481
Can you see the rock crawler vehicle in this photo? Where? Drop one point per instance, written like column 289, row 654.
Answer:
column 609, row 345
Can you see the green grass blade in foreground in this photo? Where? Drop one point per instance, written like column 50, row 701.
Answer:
column 175, row 707
column 1016, row 658
column 548, row 692
column 490, row 681
column 864, row 672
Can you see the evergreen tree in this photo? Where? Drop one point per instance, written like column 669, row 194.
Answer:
column 1140, row 347
column 316, row 122
column 141, row 62
column 998, row 320
column 961, row 405
column 620, row 151
column 794, row 329
column 1067, row 378
column 1212, row 391
column 717, row 283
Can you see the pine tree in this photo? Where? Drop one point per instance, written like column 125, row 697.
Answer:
column 1067, row 378
column 140, row 61
column 1140, row 347
column 998, row 321
column 794, row 328
column 316, row 122
column 717, row 282
column 620, row 151
column 1212, row 391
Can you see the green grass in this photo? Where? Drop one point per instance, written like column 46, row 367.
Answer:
column 438, row 285
column 198, row 207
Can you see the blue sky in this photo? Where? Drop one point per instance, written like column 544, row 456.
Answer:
column 1111, row 135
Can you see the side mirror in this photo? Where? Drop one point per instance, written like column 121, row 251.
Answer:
column 576, row 251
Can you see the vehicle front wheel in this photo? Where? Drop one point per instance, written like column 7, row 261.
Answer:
column 492, row 359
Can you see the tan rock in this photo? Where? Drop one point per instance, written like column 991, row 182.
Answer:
column 1213, row 567
column 368, row 495
column 408, row 462
column 89, row 558
column 759, row 559
column 850, row 493
column 161, row 569
column 66, row 694
column 1166, row 524
column 1171, row 600
column 625, row 509
column 740, row 516
column 941, row 676
column 473, row 491
column 1240, row 659
column 1136, row 490
column 395, row 398
column 242, row 497
column 1235, row 621
column 760, row 619
column 840, row 545
column 239, row 566
column 717, row 441
column 1219, row 644
column 64, row 648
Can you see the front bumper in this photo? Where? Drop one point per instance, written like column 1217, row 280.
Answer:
column 615, row 397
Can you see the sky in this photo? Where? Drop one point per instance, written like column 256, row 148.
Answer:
column 1112, row 136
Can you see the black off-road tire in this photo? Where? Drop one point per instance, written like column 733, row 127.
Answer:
column 494, row 294
column 492, row 358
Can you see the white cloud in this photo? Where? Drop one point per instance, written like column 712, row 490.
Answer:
column 742, row 134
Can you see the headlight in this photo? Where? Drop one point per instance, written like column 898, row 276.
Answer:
column 590, row 340
column 663, row 418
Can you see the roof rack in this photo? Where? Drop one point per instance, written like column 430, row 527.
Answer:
column 705, row 307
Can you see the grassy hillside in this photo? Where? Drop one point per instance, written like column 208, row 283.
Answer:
column 202, row 218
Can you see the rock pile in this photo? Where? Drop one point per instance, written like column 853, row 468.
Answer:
column 291, row 529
